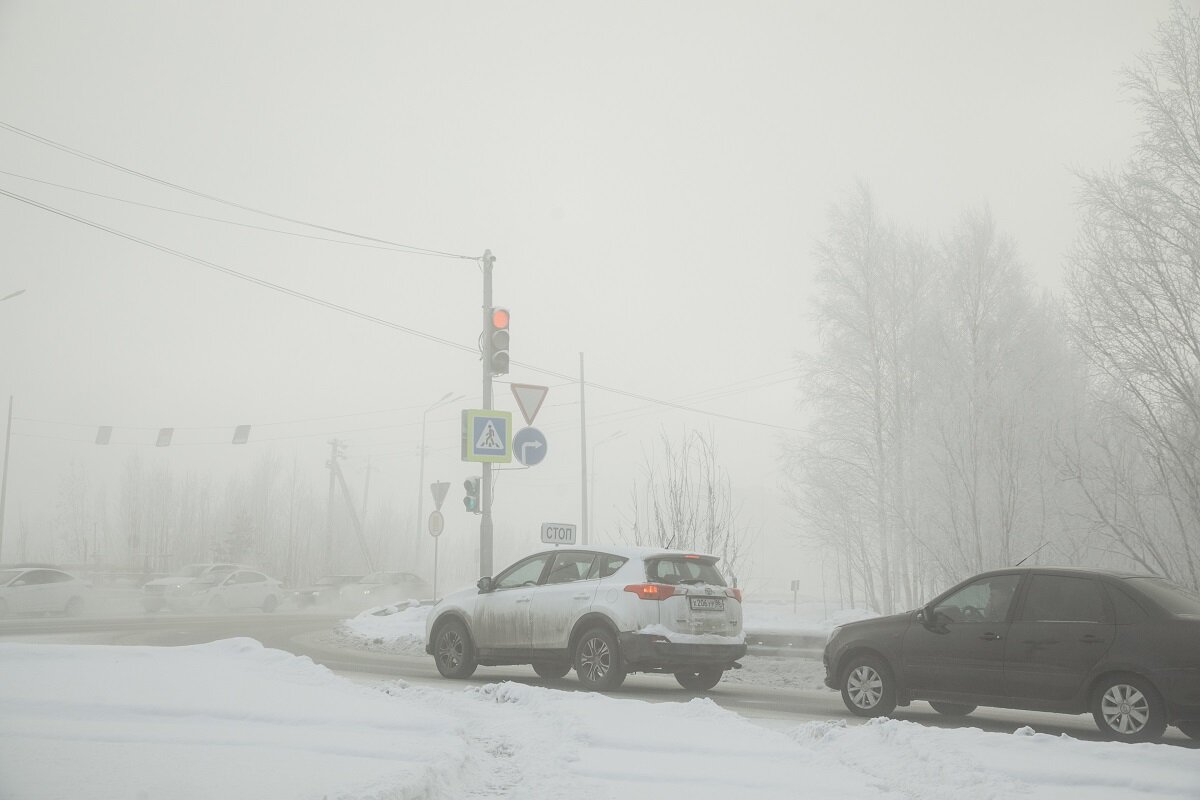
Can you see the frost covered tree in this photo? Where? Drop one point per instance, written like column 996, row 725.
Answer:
column 684, row 500
column 1135, row 311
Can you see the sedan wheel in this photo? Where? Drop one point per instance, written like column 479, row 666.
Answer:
column 453, row 651
column 1127, row 708
column 270, row 604
column 868, row 689
column 598, row 661
column 74, row 607
column 700, row 681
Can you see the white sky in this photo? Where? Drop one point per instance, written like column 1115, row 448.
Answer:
column 231, row 720
column 650, row 177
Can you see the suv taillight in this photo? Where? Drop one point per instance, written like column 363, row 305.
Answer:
column 736, row 594
column 651, row 591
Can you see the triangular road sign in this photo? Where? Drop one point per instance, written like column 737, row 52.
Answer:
column 439, row 493
column 529, row 399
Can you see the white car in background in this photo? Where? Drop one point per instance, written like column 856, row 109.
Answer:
column 30, row 590
column 222, row 591
column 154, row 592
column 605, row 612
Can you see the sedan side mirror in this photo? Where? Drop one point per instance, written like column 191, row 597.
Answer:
column 485, row 585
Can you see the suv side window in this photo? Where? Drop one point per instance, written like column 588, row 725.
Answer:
column 984, row 600
column 570, row 567
column 1060, row 598
column 523, row 572
column 605, row 565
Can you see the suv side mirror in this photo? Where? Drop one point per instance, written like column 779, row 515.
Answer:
column 485, row 585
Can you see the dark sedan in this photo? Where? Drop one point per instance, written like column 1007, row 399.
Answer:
column 1125, row 648
column 324, row 592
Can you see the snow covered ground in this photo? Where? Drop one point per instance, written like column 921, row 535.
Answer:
column 232, row 719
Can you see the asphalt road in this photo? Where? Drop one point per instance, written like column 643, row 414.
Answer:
column 304, row 634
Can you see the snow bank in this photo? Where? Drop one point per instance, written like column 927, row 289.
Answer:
column 387, row 629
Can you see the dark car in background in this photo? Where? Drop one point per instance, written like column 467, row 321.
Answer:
column 324, row 592
column 1125, row 648
column 382, row 589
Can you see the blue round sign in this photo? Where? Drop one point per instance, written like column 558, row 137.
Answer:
column 529, row 446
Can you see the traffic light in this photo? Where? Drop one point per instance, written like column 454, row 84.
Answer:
column 471, row 501
column 498, row 334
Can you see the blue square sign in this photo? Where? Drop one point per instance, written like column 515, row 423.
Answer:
column 487, row 436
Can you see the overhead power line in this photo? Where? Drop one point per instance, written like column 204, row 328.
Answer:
column 178, row 187
column 369, row 317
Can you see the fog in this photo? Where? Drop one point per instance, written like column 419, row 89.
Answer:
column 653, row 180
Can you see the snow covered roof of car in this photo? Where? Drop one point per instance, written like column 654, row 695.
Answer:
column 628, row 551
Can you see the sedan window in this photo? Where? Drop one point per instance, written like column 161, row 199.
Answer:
column 984, row 600
column 523, row 573
column 1060, row 598
column 7, row 575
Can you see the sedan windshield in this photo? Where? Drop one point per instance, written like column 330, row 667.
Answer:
column 1173, row 599
column 6, row 575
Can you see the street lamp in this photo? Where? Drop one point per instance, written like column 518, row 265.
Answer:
column 446, row 398
column 592, row 478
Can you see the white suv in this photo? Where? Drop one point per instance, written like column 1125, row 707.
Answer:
column 604, row 611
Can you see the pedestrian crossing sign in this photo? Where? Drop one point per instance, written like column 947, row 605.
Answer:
column 487, row 436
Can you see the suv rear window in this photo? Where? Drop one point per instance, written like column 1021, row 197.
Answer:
column 680, row 569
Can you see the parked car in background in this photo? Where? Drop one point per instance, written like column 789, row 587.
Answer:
column 324, row 592
column 383, row 588
column 1125, row 648
column 31, row 590
column 154, row 592
column 221, row 591
column 605, row 612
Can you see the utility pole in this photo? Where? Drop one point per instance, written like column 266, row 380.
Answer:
column 583, row 483
column 334, row 454
column 4, row 475
column 485, row 485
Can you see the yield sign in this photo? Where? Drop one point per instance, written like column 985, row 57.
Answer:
column 529, row 399
column 439, row 493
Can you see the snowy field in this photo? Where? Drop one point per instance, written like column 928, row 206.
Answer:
column 232, row 719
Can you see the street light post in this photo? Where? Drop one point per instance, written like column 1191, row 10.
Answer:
column 592, row 477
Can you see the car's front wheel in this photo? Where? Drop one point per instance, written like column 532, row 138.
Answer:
column 453, row 650
column 598, row 660
column 1128, row 709
column 74, row 607
column 700, row 680
column 270, row 604
column 551, row 670
column 868, row 688
column 952, row 709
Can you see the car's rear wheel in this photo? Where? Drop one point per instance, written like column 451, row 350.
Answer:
column 952, row 709
column 868, row 688
column 270, row 604
column 3, row 609
column 551, row 670
column 1128, row 709
column 598, row 660
column 453, row 650
column 1190, row 729
column 74, row 607
column 215, row 605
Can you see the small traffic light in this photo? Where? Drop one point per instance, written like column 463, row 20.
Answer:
column 498, row 335
column 471, row 501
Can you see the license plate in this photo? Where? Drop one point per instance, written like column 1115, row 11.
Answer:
column 707, row 603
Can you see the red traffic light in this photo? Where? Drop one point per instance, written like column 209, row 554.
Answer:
column 499, row 319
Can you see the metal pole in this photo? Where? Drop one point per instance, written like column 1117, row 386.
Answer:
column 332, row 464
column 435, row 555
column 485, row 484
column 4, row 476
column 583, row 449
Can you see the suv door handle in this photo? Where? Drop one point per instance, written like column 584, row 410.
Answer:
column 524, row 599
column 990, row 637
column 584, row 596
column 1092, row 639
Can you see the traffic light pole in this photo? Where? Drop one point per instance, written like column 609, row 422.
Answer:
column 485, row 485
